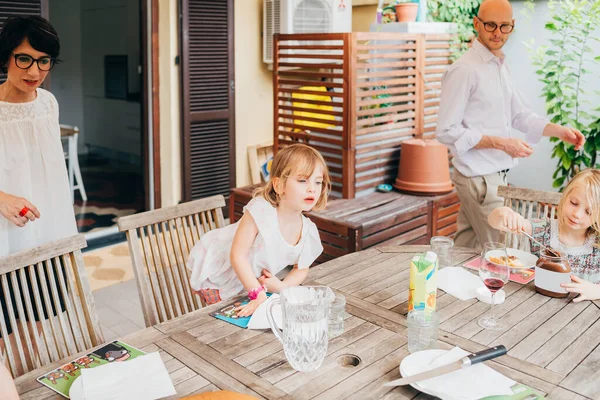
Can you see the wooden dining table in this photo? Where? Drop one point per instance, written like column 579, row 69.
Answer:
column 553, row 343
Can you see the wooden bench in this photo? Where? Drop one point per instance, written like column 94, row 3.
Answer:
column 349, row 225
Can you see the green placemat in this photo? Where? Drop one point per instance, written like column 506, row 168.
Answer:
column 521, row 392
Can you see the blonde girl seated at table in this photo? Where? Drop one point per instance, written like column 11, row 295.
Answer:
column 272, row 234
column 576, row 231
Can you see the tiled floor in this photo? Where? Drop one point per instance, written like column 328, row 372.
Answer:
column 119, row 310
column 113, row 188
column 108, row 265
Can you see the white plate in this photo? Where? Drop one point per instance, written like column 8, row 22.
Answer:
column 420, row 358
column 494, row 383
column 529, row 260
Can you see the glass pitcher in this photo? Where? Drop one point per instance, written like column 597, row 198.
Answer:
column 305, row 312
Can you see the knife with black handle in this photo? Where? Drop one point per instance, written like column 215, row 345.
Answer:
column 464, row 362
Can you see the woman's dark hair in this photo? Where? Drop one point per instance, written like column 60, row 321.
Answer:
column 41, row 35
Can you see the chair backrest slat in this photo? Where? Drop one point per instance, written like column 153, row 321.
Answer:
column 159, row 243
column 48, row 339
column 62, row 351
column 73, row 322
column 530, row 204
column 21, row 312
column 13, row 323
column 48, row 305
column 175, row 263
column 52, row 270
column 149, row 269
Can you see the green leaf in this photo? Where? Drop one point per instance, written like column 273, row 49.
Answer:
column 555, row 174
column 566, row 162
column 558, row 182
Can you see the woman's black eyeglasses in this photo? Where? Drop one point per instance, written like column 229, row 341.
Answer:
column 492, row 26
column 25, row 61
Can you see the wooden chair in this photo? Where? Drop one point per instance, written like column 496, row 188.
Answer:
column 37, row 284
column 71, row 134
column 159, row 244
column 530, row 204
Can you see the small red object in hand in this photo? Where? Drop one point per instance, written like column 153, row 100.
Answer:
column 24, row 211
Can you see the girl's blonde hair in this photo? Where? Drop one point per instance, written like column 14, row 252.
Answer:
column 589, row 179
column 291, row 160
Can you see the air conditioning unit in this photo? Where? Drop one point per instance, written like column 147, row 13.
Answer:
column 303, row 16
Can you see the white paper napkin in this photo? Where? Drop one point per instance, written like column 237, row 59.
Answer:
column 259, row 318
column 484, row 294
column 459, row 282
column 143, row 378
column 475, row 382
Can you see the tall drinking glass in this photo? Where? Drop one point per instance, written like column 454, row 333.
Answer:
column 442, row 246
column 494, row 271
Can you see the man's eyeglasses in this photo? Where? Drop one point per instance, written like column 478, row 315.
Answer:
column 25, row 61
column 492, row 26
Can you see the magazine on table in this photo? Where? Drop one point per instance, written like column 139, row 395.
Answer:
column 61, row 379
column 228, row 313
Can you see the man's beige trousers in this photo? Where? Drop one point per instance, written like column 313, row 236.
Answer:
column 478, row 197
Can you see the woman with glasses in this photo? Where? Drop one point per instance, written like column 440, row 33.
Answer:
column 35, row 200
column 479, row 108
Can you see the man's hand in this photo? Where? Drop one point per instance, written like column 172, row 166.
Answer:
column 587, row 290
column 568, row 135
column 516, row 148
column 271, row 282
column 248, row 309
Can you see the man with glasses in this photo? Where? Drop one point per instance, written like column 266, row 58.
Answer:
column 479, row 107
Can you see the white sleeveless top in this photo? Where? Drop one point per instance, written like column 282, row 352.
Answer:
column 32, row 165
column 209, row 259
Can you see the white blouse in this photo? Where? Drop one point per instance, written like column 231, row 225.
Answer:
column 32, row 165
column 209, row 259
column 479, row 98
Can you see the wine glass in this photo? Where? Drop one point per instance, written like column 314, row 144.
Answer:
column 494, row 271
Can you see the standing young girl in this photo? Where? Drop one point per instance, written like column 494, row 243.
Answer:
column 576, row 231
column 272, row 234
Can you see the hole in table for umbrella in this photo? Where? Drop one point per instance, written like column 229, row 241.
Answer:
column 348, row 360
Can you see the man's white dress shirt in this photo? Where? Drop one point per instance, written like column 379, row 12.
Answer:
column 478, row 98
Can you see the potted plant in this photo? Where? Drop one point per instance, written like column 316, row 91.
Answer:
column 563, row 68
column 406, row 10
column 461, row 13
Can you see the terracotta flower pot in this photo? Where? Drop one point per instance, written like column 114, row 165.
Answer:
column 407, row 12
column 423, row 168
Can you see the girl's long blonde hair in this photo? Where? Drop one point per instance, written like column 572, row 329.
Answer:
column 296, row 159
column 589, row 179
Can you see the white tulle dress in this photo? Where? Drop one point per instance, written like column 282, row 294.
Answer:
column 32, row 165
column 209, row 259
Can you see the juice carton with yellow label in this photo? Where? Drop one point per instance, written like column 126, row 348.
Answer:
column 423, row 282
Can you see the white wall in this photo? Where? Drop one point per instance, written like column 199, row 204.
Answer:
column 66, row 78
column 253, row 86
column 536, row 171
column 170, row 109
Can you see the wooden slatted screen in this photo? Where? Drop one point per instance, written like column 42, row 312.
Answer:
column 355, row 97
column 387, row 95
column 10, row 8
column 208, row 143
column 311, row 97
